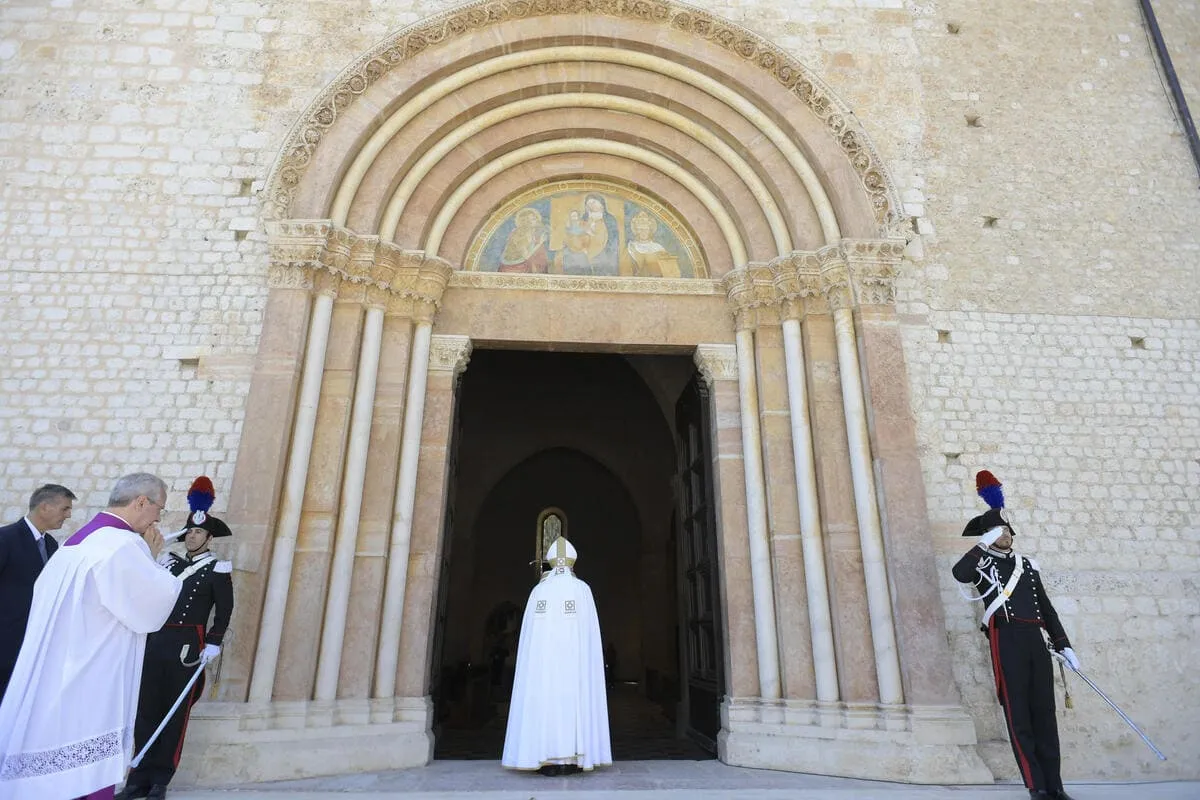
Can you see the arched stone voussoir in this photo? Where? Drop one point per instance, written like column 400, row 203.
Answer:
column 315, row 155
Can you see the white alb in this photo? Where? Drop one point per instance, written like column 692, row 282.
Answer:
column 66, row 723
column 559, row 710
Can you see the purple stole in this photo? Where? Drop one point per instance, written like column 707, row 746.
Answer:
column 107, row 793
column 101, row 520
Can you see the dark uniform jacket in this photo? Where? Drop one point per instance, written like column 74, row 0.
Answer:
column 20, row 565
column 990, row 570
column 210, row 586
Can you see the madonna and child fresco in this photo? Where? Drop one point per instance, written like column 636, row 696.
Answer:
column 590, row 233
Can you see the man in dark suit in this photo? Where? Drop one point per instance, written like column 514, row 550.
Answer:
column 24, row 550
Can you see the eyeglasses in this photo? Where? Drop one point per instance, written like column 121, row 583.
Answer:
column 162, row 507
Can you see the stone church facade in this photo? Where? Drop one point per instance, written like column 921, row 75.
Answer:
column 883, row 244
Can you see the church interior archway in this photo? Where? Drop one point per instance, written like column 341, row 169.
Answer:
column 591, row 436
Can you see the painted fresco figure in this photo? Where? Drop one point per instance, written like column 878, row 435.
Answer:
column 525, row 250
column 1016, row 612
column 180, row 646
column 558, row 717
column 603, row 237
column 650, row 259
column 573, row 258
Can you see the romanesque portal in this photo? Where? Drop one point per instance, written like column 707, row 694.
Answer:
column 645, row 182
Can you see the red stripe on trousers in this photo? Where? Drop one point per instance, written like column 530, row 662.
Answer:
column 1002, row 687
column 187, row 710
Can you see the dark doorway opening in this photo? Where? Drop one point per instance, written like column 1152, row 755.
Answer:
column 591, row 439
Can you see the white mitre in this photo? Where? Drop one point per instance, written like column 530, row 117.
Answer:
column 561, row 553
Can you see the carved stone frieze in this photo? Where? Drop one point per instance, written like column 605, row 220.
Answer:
column 325, row 256
column 716, row 362
column 849, row 273
column 289, row 275
column 781, row 66
column 449, row 353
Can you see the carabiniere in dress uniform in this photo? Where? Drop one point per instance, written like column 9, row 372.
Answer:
column 1016, row 611
column 184, row 643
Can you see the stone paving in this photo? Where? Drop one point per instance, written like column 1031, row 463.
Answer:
column 647, row 780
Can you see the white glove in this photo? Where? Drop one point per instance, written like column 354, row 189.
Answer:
column 1072, row 659
column 209, row 652
column 989, row 538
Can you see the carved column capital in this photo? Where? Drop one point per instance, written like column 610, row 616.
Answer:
column 873, row 265
column 747, row 290
column 797, row 283
column 360, row 264
column 716, row 362
column 835, row 277
column 449, row 353
column 296, row 248
column 416, row 280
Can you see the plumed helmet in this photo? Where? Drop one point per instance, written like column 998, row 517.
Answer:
column 989, row 488
column 989, row 519
column 200, row 499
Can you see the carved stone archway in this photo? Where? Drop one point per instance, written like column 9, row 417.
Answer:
column 837, row 656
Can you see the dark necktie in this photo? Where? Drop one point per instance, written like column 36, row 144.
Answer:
column 42, row 548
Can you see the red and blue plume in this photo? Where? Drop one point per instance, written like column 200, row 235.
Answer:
column 201, row 495
column 987, row 487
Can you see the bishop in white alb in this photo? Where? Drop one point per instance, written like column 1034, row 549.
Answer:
column 559, row 711
column 66, row 722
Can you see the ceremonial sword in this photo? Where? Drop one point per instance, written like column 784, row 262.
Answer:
column 154, row 737
column 1062, row 660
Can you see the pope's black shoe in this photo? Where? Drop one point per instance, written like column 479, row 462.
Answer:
column 132, row 793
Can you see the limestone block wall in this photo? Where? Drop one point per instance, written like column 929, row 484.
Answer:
column 1052, row 337
column 1049, row 300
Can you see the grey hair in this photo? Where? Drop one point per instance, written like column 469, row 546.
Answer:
column 139, row 484
column 51, row 491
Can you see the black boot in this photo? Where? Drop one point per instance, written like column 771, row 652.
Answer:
column 1061, row 794
column 132, row 793
column 157, row 792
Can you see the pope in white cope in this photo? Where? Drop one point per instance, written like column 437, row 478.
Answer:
column 66, row 722
column 558, row 718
